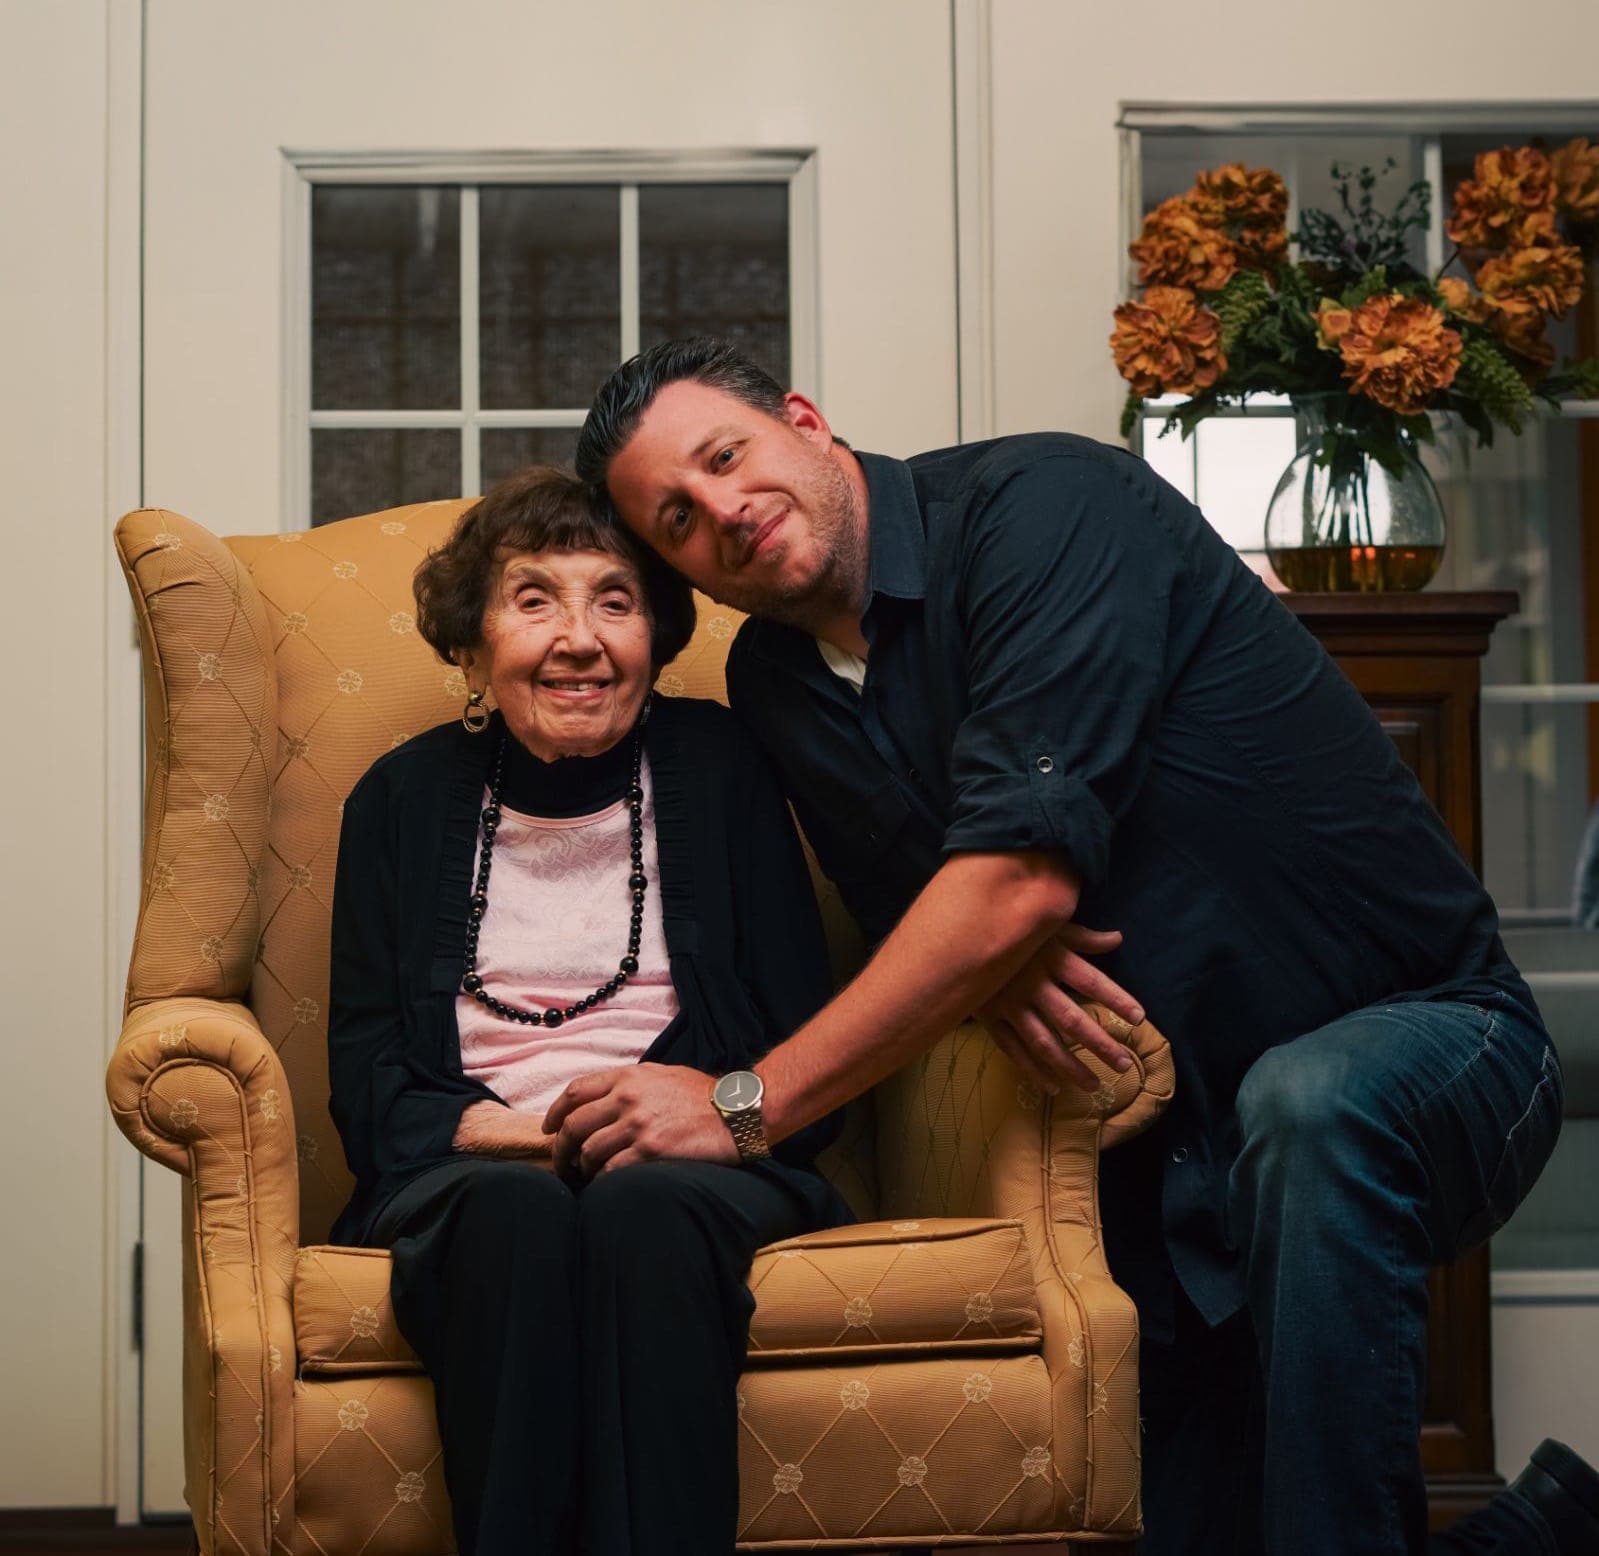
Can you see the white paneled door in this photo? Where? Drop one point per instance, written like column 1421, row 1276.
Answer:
column 390, row 241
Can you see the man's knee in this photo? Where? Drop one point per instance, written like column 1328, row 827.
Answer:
column 1293, row 1094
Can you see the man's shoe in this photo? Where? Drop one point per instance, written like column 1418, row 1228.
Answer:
column 1564, row 1488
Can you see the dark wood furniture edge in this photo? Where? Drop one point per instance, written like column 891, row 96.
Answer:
column 1407, row 653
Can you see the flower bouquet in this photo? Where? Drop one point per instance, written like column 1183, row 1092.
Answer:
column 1364, row 344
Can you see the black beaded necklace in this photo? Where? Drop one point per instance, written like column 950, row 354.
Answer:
column 477, row 906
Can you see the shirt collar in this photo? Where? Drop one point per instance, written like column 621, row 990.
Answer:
column 896, row 540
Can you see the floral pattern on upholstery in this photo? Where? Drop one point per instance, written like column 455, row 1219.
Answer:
column 873, row 1452
column 878, row 1288
column 376, row 1434
column 343, row 1320
column 185, row 1086
column 210, row 731
column 959, row 1134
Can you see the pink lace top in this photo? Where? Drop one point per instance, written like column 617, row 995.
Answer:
column 555, row 928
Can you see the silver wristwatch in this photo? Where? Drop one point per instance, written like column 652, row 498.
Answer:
column 737, row 1097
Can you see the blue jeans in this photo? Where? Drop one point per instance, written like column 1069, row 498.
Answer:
column 1371, row 1149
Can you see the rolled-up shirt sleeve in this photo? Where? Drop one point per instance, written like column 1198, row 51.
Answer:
column 1066, row 582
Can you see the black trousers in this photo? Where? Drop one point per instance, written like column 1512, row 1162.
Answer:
column 585, row 1347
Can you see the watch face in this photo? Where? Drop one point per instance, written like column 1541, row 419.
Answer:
column 738, row 1092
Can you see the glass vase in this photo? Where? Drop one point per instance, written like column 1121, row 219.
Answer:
column 1340, row 520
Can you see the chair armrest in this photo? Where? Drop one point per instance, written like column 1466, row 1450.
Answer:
column 962, row 1133
column 196, row 1086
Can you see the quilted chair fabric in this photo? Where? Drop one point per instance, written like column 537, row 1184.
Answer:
column 957, row 1370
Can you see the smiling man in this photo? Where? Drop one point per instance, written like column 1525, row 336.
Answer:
column 1019, row 686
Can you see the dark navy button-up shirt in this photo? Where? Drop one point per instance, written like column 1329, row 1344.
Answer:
column 1064, row 655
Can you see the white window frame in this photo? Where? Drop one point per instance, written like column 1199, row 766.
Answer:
column 303, row 171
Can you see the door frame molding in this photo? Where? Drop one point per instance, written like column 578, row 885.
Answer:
column 124, row 736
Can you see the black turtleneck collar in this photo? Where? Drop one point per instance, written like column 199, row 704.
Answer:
column 568, row 786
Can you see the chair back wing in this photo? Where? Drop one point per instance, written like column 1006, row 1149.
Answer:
column 210, row 712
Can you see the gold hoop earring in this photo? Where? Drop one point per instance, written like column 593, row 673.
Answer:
column 474, row 715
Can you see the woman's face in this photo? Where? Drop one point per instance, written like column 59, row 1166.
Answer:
column 565, row 650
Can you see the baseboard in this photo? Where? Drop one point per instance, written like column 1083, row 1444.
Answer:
column 86, row 1529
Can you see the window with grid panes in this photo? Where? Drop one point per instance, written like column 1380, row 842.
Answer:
column 459, row 331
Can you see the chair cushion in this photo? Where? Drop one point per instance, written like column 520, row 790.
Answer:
column 878, row 1288
column 881, row 1287
column 343, row 1321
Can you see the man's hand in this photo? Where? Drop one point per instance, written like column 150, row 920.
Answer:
column 638, row 1113
column 1036, row 1020
column 492, row 1129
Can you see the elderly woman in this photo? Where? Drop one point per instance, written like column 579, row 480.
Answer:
column 586, row 879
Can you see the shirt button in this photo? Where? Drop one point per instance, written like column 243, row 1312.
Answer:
column 1180, row 1155
column 1046, row 764
column 916, row 777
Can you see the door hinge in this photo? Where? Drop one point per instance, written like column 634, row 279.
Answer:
column 138, row 1296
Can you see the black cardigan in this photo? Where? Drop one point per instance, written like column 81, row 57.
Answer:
column 743, row 936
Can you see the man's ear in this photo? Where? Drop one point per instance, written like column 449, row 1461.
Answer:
column 806, row 420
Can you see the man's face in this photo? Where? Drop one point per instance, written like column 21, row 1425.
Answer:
column 756, row 511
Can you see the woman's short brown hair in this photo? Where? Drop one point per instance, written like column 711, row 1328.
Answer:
column 538, row 509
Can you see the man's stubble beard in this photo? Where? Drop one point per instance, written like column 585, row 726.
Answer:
column 839, row 585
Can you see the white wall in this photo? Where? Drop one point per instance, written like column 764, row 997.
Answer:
column 54, row 1409
column 1062, row 72
column 1546, row 1363
column 865, row 87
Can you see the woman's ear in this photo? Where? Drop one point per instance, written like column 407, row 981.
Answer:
column 468, row 660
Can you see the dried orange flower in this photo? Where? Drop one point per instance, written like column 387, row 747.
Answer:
column 1166, row 343
column 1510, row 185
column 1551, row 278
column 1399, row 351
column 1182, row 246
column 1252, row 205
column 1513, row 316
column 1461, row 300
column 1255, row 196
column 1519, row 322
column 1576, row 174
column 1333, row 323
column 1534, row 230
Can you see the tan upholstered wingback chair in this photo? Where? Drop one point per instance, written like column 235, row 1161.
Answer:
column 957, row 1369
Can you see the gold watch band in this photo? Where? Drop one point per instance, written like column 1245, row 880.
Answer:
column 749, row 1134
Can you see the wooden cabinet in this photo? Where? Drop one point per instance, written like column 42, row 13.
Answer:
column 1417, row 659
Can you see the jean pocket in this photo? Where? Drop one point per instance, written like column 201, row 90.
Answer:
column 1527, row 1148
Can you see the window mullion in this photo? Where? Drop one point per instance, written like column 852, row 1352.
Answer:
column 1432, row 169
column 1291, row 186
column 471, row 388
column 629, row 271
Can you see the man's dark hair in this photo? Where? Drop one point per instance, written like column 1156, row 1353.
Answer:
column 631, row 389
column 537, row 509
